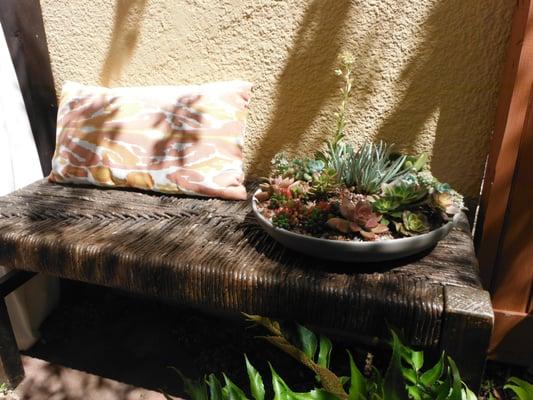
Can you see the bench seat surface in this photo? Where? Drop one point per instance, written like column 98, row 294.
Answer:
column 211, row 253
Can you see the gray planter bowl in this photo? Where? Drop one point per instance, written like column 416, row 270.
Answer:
column 352, row 251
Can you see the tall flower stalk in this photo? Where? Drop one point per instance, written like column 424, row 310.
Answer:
column 336, row 148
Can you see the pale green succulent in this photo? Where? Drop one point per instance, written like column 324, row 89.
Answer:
column 405, row 191
column 414, row 223
column 426, row 178
column 385, row 205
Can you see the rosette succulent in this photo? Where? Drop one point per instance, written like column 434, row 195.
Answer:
column 358, row 217
column 405, row 191
column 413, row 223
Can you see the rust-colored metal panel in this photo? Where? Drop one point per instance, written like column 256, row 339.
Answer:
column 511, row 338
column 513, row 273
column 504, row 235
column 509, row 124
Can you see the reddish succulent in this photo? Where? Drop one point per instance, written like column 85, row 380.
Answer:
column 358, row 217
column 358, row 209
column 364, row 215
column 286, row 187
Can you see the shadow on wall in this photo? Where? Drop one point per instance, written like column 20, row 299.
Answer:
column 307, row 80
column 124, row 38
column 447, row 79
column 443, row 77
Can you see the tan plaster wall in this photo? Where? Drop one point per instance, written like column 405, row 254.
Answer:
column 427, row 71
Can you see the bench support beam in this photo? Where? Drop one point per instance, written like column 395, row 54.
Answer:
column 467, row 327
column 11, row 369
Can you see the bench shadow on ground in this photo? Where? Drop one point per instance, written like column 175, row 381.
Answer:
column 132, row 340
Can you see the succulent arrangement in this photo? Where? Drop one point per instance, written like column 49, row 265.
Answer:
column 364, row 194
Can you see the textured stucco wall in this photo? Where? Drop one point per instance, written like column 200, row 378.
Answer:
column 427, row 71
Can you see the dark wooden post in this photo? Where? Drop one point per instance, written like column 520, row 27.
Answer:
column 11, row 370
column 467, row 327
column 25, row 36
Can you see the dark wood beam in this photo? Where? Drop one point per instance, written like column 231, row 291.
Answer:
column 26, row 39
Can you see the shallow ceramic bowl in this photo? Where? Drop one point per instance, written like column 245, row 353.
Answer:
column 349, row 251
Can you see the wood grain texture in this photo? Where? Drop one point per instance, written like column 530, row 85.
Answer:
column 211, row 253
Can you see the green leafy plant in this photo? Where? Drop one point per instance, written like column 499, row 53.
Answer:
column 405, row 377
column 522, row 389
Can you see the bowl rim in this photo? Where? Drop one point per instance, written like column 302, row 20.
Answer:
column 378, row 243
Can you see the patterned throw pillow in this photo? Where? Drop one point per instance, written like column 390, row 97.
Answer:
column 169, row 139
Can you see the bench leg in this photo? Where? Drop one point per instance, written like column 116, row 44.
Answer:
column 11, row 369
column 467, row 327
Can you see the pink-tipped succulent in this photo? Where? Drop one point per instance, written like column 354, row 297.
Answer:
column 277, row 185
column 358, row 217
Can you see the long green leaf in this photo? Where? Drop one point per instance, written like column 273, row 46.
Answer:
column 215, row 388
column 324, row 352
column 523, row 389
column 315, row 394
column 409, row 374
column 394, row 384
column 281, row 389
column 467, row 394
column 430, row 377
column 414, row 392
column 308, row 341
column 357, row 382
column 443, row 389
column 456, row 381
column 197, row 390
column 256, row 381
column 417, row 359
column 231, row 391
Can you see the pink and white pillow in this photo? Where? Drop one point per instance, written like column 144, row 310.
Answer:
column 168, row 139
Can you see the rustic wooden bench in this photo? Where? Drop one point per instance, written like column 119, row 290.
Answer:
column 211, row 253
